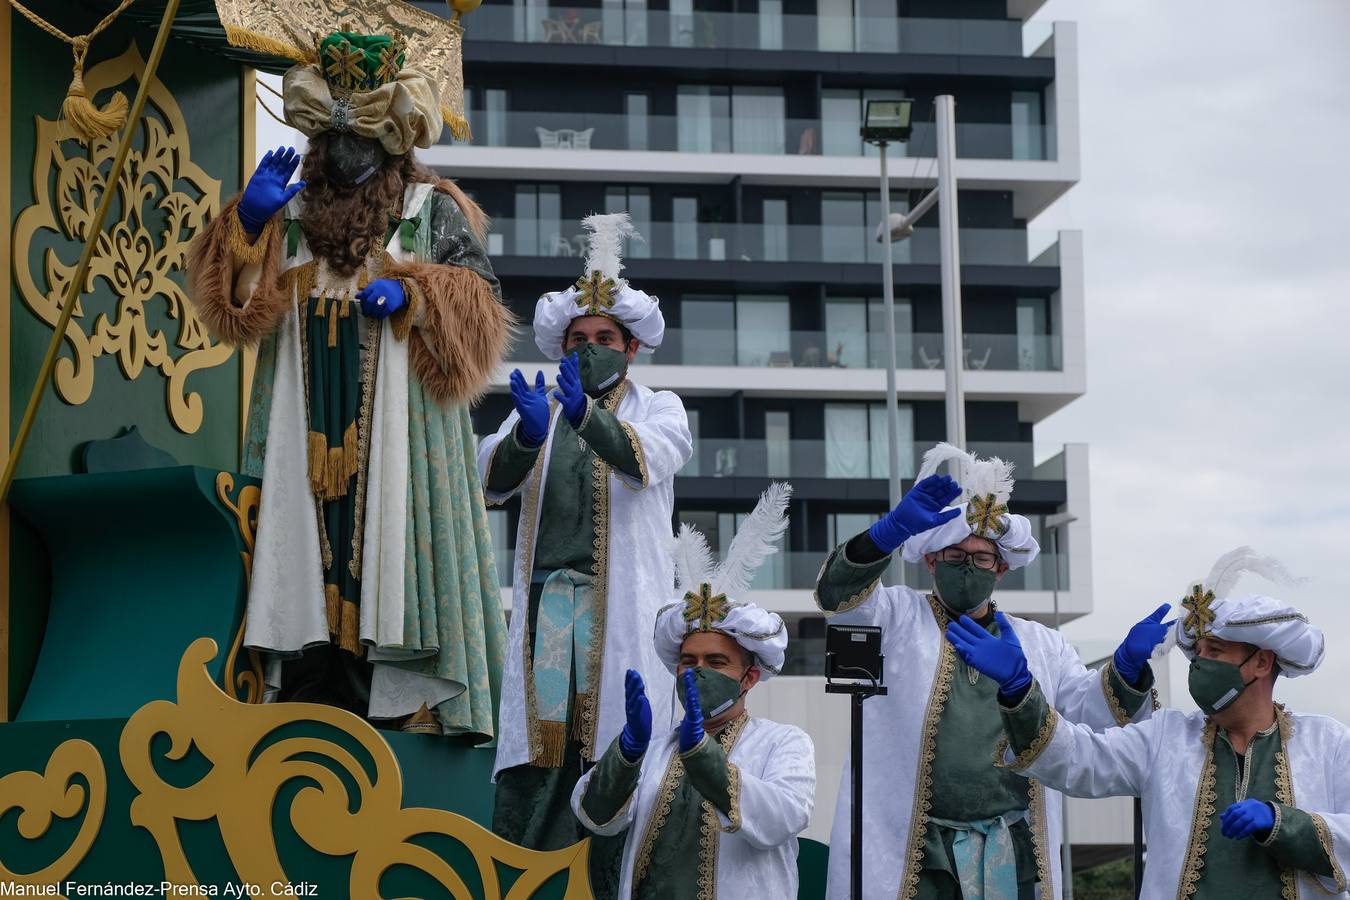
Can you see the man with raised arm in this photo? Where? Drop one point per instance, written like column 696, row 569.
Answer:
column 940, row 820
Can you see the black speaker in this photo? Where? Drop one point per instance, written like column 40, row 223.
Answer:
column 853, row 652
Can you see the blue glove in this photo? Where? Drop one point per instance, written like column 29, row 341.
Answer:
column 532, row 405
column 918, row 511
column 637, row 733
column 266, row 191
column 691, row 728
column 570, row 393
column 1133, row 653
column 382, row 297
column 1001, row 658
column 1250, row 817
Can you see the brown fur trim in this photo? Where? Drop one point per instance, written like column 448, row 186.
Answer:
column 464, row 333
column 211, row 272
column 478, row 220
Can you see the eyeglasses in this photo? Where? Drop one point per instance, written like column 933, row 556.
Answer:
column 982, row 559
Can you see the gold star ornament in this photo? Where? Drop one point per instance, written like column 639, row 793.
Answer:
column 598, row 293
column 705, row 608
column 1199, row 615
column 987, row 517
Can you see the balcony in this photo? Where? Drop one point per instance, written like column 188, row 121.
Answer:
column 838, row 350
column 615, row 27
column 585, row 131
column 750, row 242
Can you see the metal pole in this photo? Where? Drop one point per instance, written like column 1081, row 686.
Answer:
column 1138, row 847
column 951, row 268
column 856, row 857
column 147, row 76
column 897, row 572
column 1065, row 846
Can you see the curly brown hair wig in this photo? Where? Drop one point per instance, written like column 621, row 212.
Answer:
column 341, row 223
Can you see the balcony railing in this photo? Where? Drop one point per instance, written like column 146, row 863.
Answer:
column 750, row 242
column 571, row 24
column 742, row 133
column 757, row 348
column 833, row 458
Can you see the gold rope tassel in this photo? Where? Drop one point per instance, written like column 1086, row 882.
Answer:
column 332, row 468
column 554, row 738
column 86, row 120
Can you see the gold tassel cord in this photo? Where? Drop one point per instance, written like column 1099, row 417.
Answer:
column 86, row 120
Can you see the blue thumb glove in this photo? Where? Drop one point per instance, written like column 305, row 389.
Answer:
column 691, row 728
column 570, row 393
column 266, row 191
column 532, row 405
column 1133, row 653
column 1247, row 818
column 1001, row 658
column 918, row 511
column 381, row 298
column 637, row 733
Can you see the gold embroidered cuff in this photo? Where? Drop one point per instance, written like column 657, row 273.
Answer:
column 1274, row 829
column 685, row 754
column 245, row 252
column 403, row 320
column 586, row 416
column 644, row 478
column 734, row 793
column 1328, row 847
column 1033, row 752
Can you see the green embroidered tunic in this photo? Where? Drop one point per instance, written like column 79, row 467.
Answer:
column 968, row 787
column 1232, row 869
column 699, row 783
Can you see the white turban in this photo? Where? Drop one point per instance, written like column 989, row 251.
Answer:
column 1015, row 544
column 1262, row 621
column 600, row 292
column 757, row 630
column 986, row 486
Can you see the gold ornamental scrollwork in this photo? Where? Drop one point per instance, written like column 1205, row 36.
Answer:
column 351, row 804
column 164, row 201
column 245, row 686
column 55, row 793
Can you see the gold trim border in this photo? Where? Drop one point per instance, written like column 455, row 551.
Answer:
column 1205, row 798
column 6, row 263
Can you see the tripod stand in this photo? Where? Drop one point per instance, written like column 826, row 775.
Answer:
column 859, row 692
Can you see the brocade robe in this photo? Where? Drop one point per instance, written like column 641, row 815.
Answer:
column 929, row 743
column 720, row 821
column 1186, row 773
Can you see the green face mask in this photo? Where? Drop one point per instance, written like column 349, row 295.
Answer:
column 717, row 693
column 601, row 368
column 1215, row 684
column 962, row 588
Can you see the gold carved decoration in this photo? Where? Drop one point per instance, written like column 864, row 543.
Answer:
column 246, row 686
column 249, row 767
column 55, row 793
column 165, row 200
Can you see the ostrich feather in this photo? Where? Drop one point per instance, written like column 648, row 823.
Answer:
column 944, row 453
column 693, row 559
column 1223, row 577
column 989, row 476
column 754, row 542
column 607, row 232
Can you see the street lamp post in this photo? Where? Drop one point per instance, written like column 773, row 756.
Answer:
column 1055, row 523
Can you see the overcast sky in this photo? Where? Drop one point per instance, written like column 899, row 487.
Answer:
column 1216, row 225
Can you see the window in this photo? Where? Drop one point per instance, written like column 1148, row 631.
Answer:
column 708, row 330
column 624, row 22
column 836, row 25
column 1037, row 344
column 775, row 229
column 703, row 115
column 848, row 224
column 1028, row 133
column 502, row 539
column 856, row 440
column 778, row 443
column 528, row 20
column 855, row 332
column 682, row 23
column 539, row 221
column 770, row 20
column 869, row 26
column 841, row 527
column 637, row 202
column 684, row 223
column 763, row 336
column 635, row 109
column 757, row 120
column 841, row 114
column 693, row 467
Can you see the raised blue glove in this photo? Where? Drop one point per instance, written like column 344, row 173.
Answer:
column 1133, row 653
column 637, row 732
column 532, row 405
column 266, row 191
column 691, row 728
column 1001, row 658
column 918, row 511
column 382, row 297
column 1247, row 818
column 570, row 392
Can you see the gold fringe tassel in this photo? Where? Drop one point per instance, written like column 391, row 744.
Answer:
column 331, row 468
column 458, row 125
column 554, row 738
column 261, row 43
column 245, row 252
column 301, row 279
column 86, row 120
column 344, row 621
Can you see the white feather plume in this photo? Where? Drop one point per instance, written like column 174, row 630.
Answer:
column 693, row 559
column 1224, row 575
column 606, row 235
column 755, row 541
column 941, row 454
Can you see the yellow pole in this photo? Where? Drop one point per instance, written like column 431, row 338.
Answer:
column 95, row 228
column 6, row 148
